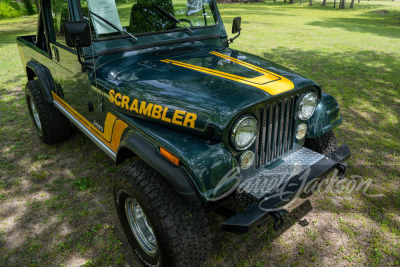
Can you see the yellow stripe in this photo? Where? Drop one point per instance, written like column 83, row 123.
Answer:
column 269, row 82
column 113, row 128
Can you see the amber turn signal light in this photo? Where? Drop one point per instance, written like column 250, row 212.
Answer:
column 169, row 156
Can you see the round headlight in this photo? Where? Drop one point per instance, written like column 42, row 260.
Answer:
column 244, row 132
column 307, row 105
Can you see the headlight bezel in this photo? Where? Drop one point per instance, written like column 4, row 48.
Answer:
column 299, row 108
column 235, row 129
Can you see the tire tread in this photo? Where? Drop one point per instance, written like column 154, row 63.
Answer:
column 185, row 237
column 324, row 144
column 55, row 126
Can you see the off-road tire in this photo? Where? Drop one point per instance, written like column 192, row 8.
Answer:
column 324, row 144
column 54, row 126
column 180, row 227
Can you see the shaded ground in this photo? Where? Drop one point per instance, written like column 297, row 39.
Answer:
column 56, row 203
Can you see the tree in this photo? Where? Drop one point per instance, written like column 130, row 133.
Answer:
column 37, row 4
column 291, row 2
column 310, row 3
column 342, row 4
column 29, row 7
column 352, row 4
column 323, row 3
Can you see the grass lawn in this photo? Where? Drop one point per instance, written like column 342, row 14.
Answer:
column 56, row 204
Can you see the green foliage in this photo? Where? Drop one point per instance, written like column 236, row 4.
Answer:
column 13, row 9
column 39, row 175
column 83, row 183
column 43, row 156
column 8, row 11
column 29, row 7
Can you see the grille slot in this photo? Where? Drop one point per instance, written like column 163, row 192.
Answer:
column 275, row 138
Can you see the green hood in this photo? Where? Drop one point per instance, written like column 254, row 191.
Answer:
column 197, row 91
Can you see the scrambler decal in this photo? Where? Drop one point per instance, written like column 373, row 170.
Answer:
column 113, row 128
column 269, row 82
column 151, row 110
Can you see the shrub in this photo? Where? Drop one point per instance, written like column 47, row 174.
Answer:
column 29, row 7
column 7, row 11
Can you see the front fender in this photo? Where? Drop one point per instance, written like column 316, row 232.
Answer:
column 205, row 169
column 325, row 118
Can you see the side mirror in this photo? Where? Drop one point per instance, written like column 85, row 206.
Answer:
column 77, row 33
column 236, row 25
column 235, row 29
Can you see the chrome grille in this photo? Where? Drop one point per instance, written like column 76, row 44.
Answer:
column 275, row 138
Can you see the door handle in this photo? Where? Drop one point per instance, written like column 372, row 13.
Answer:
column 55, row 53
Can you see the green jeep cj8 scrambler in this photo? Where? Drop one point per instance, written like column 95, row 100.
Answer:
column 156, row 79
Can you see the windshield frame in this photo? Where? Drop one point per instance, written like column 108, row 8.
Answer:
column 121, row 35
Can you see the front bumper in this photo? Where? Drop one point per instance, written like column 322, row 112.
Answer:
column 286, row 182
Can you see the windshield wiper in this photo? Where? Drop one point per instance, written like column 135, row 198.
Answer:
column 173, row 18
column 134, row 39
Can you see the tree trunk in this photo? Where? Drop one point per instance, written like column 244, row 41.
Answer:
column 334, row 4
column 291, row 2
column 359, row 1
column 342, row 4
column 284, row 1
column 323, row 3
column 310, row 3
column 300, row 2
column 352, row 4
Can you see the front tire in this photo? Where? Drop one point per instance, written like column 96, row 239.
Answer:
column 162, row 229
column 50, row 124
column 324, row 144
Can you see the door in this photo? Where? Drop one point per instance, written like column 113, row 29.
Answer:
column 72, row 82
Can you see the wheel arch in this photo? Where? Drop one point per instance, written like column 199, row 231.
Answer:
column 43, row 74
column 123, row 154
column 135, row 145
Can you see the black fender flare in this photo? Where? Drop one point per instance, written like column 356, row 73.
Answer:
column 175, row 175
column 45, row 78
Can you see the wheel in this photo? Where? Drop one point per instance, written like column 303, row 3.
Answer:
column 324, row 144
column 50, row 124
column 162, row 229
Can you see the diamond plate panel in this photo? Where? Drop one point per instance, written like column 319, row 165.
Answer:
column 268, row 180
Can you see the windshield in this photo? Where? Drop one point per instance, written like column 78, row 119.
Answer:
column 146, row 16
